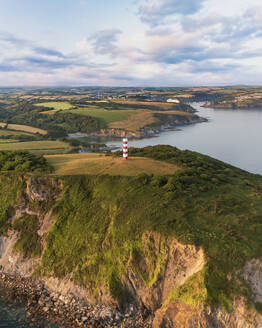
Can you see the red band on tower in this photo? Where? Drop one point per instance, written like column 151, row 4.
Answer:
column 125, row 149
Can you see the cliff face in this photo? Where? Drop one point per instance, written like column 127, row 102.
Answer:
column 165, row 279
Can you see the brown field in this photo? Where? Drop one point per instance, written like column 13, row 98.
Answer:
column 175, row 112
column 135, row 121
column 24, row 128
column 99, row 164
column 184, row 96
column 145, row 103
column 5, row 132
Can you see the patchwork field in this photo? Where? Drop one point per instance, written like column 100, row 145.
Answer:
column 98, row 164
column 24, row 128
column 38, row 147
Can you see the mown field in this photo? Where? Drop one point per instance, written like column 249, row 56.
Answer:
column 98, row 164
column 25, row 128
column 38, row 147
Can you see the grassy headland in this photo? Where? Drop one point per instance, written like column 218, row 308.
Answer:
column 99, row 164
column 100, row 223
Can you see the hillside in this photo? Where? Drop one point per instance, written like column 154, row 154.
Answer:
column 187, row 242
column 99, row 164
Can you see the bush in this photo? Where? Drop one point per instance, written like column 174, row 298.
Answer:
column 23, row 162
column 29, row 242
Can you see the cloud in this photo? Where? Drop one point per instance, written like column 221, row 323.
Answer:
column 48, row 52
column 182, row 43
column 7, row 68
column 104, row 41
column 27, row 56
column 154, row 12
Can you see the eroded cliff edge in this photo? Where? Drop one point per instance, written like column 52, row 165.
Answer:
column 124, row 243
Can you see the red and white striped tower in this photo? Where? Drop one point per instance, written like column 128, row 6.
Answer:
column 125, row 149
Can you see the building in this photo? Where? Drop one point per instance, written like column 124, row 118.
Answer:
column 176, row 101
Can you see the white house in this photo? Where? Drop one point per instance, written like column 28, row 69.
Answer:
column 170, row 100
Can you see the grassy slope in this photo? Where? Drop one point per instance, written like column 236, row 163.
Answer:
column 108, row 116
column 99, row 164
column 39, row 147
column 135, row 121
column 146, row 118
column 100, row 222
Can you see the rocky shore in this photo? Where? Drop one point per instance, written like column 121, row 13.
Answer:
column 147, row 131
column 67, row 311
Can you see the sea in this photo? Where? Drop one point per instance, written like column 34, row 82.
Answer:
column 233, row 136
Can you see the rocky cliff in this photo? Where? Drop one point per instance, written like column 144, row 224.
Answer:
column 85, row 243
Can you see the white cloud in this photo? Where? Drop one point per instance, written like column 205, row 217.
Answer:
column 183, row 42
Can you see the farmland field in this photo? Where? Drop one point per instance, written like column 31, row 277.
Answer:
column 75, row 164
column 135, row 121
column 145, row 103
column 5, row 141
column 57, row 105
column 141, row 119
column 39, row 147
column 5, row 132
column 24, row 128
column 108, row 116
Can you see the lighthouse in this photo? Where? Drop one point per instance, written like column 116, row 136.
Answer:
column 125, row 149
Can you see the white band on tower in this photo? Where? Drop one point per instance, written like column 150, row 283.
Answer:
column 125, row 148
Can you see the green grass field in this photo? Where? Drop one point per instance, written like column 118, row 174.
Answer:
column 98, row 164
column 38, row 147
column 57, row 105
column 108, row 116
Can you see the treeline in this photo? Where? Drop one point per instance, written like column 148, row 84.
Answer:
column 21, row 137
column 23, row 162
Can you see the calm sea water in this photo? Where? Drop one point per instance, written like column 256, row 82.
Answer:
column 233, row 136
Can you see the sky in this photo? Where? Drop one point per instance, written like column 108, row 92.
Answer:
column 130, row 42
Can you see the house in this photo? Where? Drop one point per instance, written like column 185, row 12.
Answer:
column 170, row 100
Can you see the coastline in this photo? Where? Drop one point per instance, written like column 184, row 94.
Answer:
column 68, row 311
column 146, row 132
